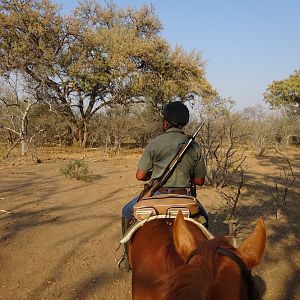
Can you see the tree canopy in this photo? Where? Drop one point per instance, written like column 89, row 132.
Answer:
column 98, row 56
column 285, row 93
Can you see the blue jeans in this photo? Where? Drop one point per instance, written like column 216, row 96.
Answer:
column 127, row 210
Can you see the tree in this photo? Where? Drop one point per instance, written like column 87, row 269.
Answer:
column 285, row 93
column 55, row 127
column 15, row 107
column 221, row 136
column 146, row 125
column 268, row 129
column 97, row 57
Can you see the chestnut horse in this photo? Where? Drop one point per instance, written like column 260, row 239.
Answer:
column 174, row 260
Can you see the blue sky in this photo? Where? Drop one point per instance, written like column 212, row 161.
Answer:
column 246, row 44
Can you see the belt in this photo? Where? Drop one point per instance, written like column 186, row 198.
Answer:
column 180, row 191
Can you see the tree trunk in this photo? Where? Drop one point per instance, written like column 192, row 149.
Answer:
column 79, row 132
column 75, row 132
column 84, row 134
column 24, row 146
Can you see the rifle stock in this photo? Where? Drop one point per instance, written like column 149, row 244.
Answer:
column 170, row 168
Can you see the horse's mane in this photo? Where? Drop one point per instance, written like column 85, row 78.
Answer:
column 192, row 281
column 171, row 260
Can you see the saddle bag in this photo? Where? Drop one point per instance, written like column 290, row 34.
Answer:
column 166, row 204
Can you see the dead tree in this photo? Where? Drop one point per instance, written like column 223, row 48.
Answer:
column 278, row 185
column 232, row 197
column 15, row 108
column 222, row 138
column 223, row 157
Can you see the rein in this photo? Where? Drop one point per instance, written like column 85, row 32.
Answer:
column 246, row 273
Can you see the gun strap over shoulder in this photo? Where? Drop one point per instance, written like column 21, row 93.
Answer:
column 171, row 167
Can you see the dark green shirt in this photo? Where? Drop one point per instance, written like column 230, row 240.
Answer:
column 162, row 149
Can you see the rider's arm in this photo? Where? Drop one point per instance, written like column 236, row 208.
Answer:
column 199, row 181
column 199, row 168
column 145, row 165
column 142, row 175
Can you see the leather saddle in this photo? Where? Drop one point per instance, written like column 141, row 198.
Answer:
column 166, row 204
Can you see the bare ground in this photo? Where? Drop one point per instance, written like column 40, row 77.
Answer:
column 58, row 237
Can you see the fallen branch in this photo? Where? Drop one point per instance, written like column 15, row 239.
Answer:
column 5, row 211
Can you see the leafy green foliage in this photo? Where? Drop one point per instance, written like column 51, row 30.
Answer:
column 285, row 93
column 97, row 57
column 75, row 169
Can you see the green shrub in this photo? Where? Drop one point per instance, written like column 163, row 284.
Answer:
column 75, row 169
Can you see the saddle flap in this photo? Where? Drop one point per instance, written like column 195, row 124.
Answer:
column 165, row 204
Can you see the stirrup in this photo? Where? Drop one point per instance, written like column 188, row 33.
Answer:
column 123, row 263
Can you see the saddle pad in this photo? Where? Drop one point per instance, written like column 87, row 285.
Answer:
column 132, row 229
column 163, row 202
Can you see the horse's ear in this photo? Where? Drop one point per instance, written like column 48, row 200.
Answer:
column 252, row 248
column 183, row 238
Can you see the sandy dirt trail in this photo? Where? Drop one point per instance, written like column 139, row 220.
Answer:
column 60, row 238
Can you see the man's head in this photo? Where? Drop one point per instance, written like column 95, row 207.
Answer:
column 176, row 114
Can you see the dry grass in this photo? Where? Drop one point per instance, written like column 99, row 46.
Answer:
column 45, row 154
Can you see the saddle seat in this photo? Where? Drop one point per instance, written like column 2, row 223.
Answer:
column 166, row 204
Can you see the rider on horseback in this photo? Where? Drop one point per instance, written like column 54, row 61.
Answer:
column 158, row 154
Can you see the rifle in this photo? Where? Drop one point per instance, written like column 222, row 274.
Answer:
column 155, row 185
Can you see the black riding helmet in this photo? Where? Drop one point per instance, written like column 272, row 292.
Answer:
column 176, row 113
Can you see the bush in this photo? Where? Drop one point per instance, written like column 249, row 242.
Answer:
column 75, row 169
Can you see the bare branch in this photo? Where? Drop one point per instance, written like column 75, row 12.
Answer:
column 12, row 147
column 280, row 186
